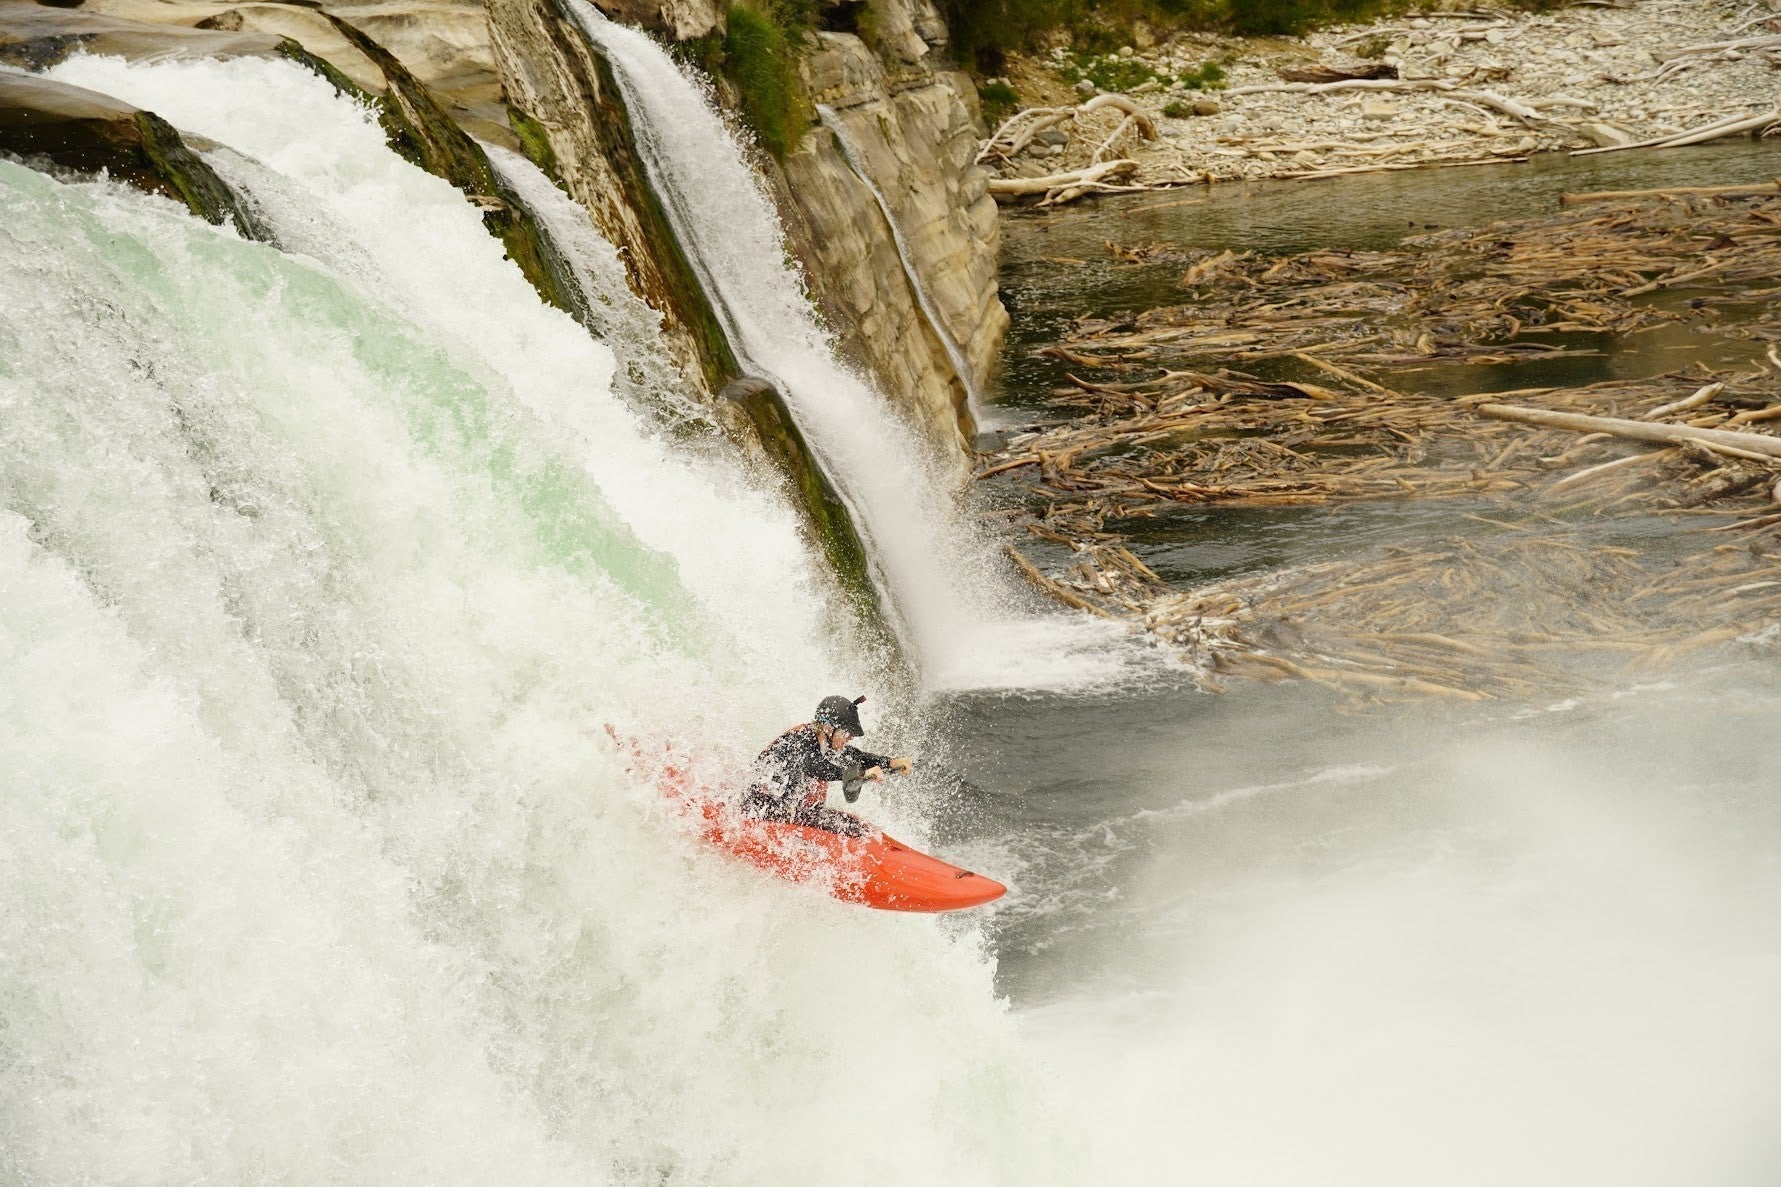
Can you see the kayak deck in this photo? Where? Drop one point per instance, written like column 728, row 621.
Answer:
column 876, row 870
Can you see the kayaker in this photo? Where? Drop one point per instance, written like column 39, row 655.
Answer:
column 793, row 773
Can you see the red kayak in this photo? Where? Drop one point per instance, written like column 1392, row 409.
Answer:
column 876, row 870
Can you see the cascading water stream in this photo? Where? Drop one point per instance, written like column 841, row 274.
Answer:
column 961, row 366
column 614, row 314
column 319, row 575
column 409, row 237
column 944, row 579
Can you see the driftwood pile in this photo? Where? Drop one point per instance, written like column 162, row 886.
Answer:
column 1104, row 173
column 1530, row 610
column 1427, row 89
column 1474, row 295
column 1295, row 382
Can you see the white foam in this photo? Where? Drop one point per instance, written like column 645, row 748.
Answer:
column 317, row 858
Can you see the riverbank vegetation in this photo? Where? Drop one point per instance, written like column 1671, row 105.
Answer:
column 761, row 46
column 1333, row 379
column 757, row 53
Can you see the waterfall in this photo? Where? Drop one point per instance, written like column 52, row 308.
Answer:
column 947, row 584
column 733, row 238
column 961, row 366
column 320, row 572
column 614, row 314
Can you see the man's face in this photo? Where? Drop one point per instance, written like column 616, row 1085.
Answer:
column 839, row 738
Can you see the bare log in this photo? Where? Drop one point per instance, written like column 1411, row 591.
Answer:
column 1719, row 47
column 1319, row 174
column 1358, row 84
column 1496, row 102
column 1106, row 146
column 1700, row 397
column 1035, row 120
column 1057, row 181
column 1717, row 130
column 1342, row 373
column 1120, row 103
column 1637, row 430
column 1049, row 116
column 1050, row 119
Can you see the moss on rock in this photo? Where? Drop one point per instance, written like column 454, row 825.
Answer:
column 534, row 142
column 760, row 57
column 826, row 515
column 84, row 131
column 418, row 128
column 688, row 298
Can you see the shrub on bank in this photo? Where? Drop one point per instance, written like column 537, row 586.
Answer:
column 760, row 56
column 1110, row 72
column 999, row 100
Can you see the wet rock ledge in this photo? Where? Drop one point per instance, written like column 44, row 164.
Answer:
column 84, row 132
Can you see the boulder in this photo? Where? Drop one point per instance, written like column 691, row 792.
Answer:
column 1605, row 135
column 80, row 130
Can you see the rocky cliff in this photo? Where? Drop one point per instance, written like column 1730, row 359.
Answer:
column 895, row 144
column 897, row 121
column 514, row 72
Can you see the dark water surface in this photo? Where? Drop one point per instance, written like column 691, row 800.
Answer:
column 1268, row 940
column 1055, row 265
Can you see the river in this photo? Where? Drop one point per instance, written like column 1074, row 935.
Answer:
column 1265, row 939
column 322, row 568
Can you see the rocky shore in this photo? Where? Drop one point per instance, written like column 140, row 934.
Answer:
column 1441, row 87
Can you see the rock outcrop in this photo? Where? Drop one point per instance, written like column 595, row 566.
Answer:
column 910, row 128
column 574, row 125
column 36, row 36
column 677, row 20
column 86, row 132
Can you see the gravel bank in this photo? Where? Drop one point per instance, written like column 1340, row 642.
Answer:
column 1487, row 86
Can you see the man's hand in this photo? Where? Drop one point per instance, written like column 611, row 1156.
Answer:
column 898, row 766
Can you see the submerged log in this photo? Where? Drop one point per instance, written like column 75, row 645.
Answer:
column 1684, row 191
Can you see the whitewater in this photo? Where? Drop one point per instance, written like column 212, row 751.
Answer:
column 949, row 591
column 323, row 568
column 323, row 571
